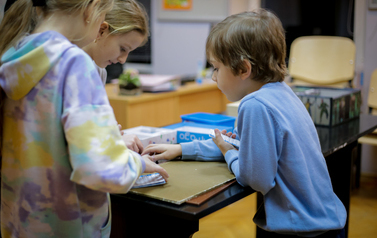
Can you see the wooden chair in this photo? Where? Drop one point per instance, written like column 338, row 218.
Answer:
column 370, row 139
column 322, row 60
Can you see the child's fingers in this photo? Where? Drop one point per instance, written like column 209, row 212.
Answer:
column 154, row 157
column 163, row 173
column 150, row 149
column 154, row 149
column 120, row 129
column 140, row 146
column 157, row 157
column 229, row 134
column 218, row 135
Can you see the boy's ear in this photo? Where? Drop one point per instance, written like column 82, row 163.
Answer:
column 245, row 74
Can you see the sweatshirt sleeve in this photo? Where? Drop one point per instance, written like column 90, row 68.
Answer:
column 201, row 150
column 99, row 158
column 256, row 162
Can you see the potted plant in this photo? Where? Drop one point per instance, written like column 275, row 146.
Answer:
column 129, row 82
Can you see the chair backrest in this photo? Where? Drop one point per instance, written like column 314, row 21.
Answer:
column 372, row 95
column 322, row 60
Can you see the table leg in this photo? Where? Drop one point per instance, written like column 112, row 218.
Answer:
column 358, row 166
column 339, row 165
column 130, row 221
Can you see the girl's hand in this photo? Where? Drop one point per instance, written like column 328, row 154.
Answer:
column 219, row 141
column 120, row 128
column 133, row 143
column 152, row 167
column 163, row 151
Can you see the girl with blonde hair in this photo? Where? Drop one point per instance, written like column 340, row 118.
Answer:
column 125, row 28
column 62, row 152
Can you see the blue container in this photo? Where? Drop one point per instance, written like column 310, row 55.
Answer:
column 210, row 119
column 184, row 134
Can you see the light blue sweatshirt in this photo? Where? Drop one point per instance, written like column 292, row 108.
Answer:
column 279, row 156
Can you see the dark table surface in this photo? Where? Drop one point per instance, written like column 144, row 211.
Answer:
column 335, row 138
column 331, row 139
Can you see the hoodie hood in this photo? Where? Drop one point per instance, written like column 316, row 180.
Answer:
column 26, row 64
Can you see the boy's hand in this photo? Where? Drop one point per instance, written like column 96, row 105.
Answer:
column 152, row 167
column 219, row 141
column 163, row 151
column 228, row 134
column 133, row 143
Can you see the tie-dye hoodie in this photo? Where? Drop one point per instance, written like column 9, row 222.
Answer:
column 62, row 150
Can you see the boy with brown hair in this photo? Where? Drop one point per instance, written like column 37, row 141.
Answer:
column 279, row 154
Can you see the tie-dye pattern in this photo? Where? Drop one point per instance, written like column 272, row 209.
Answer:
column 62, row 149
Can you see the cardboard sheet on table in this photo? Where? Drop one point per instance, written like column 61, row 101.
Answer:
column 188, row 179
column 207, row 195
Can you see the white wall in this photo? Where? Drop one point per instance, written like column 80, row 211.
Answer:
column 177, row 46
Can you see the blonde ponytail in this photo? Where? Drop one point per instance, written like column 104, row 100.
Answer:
column 18, row 20
column 22, row 18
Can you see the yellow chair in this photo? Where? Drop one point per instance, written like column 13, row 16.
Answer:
column 322, row 60
column 370, row 139
column 327, row 61
column 372, row 95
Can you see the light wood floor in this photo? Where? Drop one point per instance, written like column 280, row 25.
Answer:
column 235, row 221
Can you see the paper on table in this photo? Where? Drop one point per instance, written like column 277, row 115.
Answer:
column 159, row 83
column 151, row 80
column 148, row 180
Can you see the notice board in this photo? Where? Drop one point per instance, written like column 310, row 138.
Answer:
column 198, row 10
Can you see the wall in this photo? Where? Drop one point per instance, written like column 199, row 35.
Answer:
column 177, row 46
column 367, row 64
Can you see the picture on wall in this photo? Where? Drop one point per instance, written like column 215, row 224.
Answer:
column 192, row 10
column 177, row 5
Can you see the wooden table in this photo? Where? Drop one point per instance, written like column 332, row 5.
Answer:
column 165, row 108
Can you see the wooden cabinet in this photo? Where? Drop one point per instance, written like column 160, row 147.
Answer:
column 162, row 109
